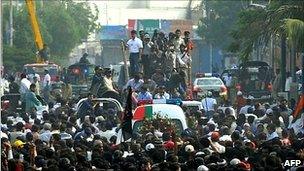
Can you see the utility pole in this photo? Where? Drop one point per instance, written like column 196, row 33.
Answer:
column 1, row 45
column 1, row 49
column 210, row 56
column 283, row 61
column 210, row 43
column 11, row 29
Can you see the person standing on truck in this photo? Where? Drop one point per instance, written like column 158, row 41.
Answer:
column 144, row 94
column 24, row 88
column 32, row 101
column 135, row 46
column 13, row 89
column 45, row 53
column 146, row 59
column 84, row 59
column 97, row 79
column 135, row 83
column 36, row 82
column 46, row 86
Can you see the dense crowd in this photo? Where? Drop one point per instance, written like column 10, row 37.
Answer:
column 257, row 138
column 246, row 135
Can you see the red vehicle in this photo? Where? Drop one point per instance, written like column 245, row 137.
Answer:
column 39, row 69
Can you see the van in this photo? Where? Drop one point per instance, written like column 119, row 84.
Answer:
column 173, row 112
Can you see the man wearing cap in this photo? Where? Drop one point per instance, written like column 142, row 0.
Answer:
column 215, row 137
column 135, row 46
column 145, row 57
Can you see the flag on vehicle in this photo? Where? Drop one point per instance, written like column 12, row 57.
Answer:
column 126, row 125
column 143, row 112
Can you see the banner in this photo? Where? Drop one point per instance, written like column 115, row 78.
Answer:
column 132, row 24
column 148, row 25
column 113, row 32
column 172, row 25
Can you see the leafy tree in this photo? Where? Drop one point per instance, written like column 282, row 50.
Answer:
column 256, row 25
column 219, row 21
column 14, row 58
column 68, row 25
column 63, row 23
column 295, row 33
column 24, row 49
column 250, row 27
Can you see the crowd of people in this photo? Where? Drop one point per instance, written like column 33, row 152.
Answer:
column 164, row 59
column 244, row 136
column 255, row 137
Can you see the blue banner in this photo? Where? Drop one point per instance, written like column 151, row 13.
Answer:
column 113, row 32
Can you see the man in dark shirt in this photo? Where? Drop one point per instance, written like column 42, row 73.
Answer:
column 14, row 90
column 97, row 79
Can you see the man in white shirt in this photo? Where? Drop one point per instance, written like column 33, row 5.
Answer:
column 271, row 129
column 144, row 94
column 209, row 104
column 135, row 46
column 46, row 86
column 135, row 83
column 24, row 88
column 245, row 108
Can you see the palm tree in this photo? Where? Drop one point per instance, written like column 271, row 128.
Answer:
column 295, row 33
column 257, row 25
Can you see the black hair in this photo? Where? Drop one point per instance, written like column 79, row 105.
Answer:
column 133, row 32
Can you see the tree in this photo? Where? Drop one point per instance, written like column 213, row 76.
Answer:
column 68, row 23
column 24, row 48
column 249, row 28
column 295, row 33
column 219, row 20
column 257, row 25
column 63, row 23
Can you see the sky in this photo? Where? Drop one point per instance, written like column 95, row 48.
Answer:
column 117, row 12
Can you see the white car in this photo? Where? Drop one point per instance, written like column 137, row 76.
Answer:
column 193, row 105
column 204, row 84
